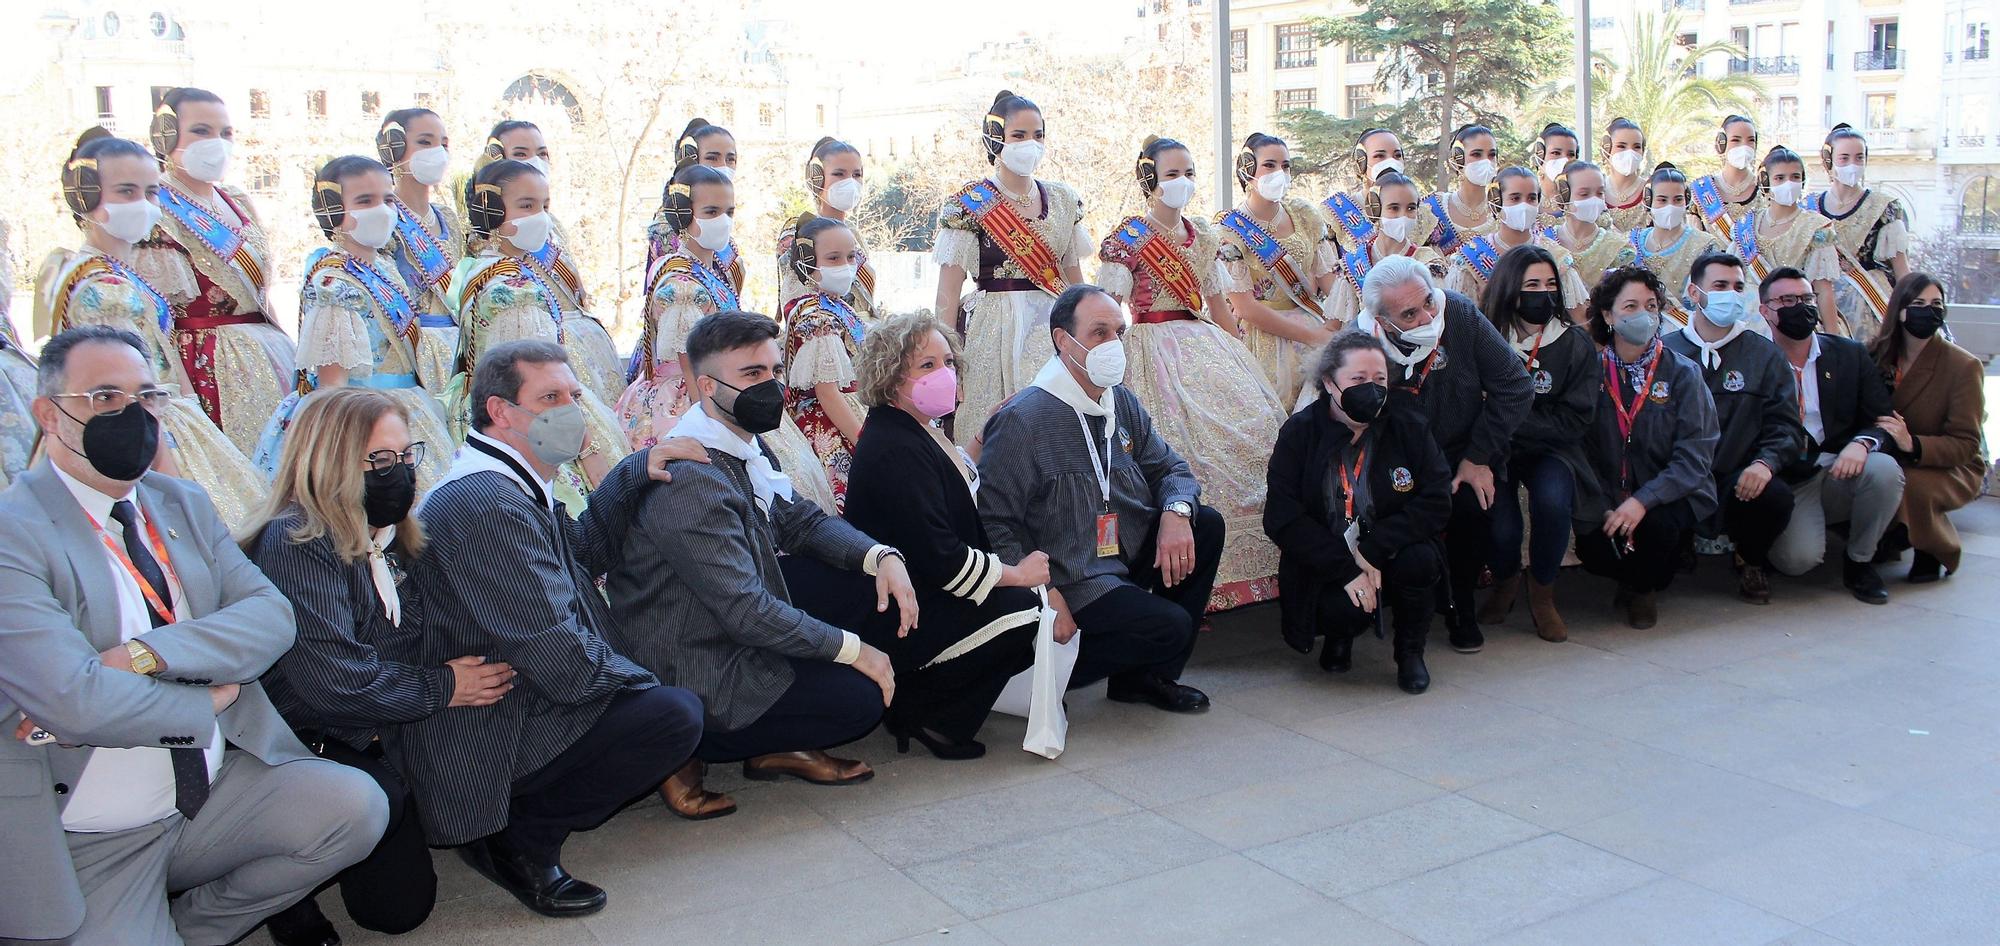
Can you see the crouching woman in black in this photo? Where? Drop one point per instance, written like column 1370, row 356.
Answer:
column 1357, row 494
column 1652, row 445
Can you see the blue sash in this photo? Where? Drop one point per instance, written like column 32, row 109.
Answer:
column 1445, row 237
column 423, row 259
column 726, row 258
column 845, row 313
column 1746, row 238
column 1814, row 202
column 162, row 312
column 220, row 238
column 1479, row 252
column 724, row 293
column 390, row 299
column 1350, row 217
column 1265, row 246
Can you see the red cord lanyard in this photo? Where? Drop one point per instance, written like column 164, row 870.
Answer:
column 1615, row 385
column 1799, row 379
column 1348, row 481
column 1535, row 356
column 153, row 600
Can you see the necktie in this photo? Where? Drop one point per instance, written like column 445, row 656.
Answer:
column 190, row 765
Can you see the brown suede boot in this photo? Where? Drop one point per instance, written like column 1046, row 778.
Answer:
column 1500, row 600
column 1542, row 605
column 685, row 797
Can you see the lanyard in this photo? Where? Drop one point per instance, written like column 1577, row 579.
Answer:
column 1799, row 382
column 1534, row 356
column 1101, row 469
column 1349, row 481
column 1615, row 386
column 160, row 609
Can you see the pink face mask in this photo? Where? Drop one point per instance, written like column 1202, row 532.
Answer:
column 936, row 394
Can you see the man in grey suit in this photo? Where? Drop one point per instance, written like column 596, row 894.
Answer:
column 144, row 759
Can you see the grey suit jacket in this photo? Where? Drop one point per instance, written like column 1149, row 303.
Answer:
column 57, row 611
column 699, row 597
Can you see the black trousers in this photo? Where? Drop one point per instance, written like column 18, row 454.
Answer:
column 1146, row 627
column 1655, row 554
column 393, row 889
column 643, row 736
column 1468, row 547
column 827, row 705
column 1754, row 525
column 1409, row 590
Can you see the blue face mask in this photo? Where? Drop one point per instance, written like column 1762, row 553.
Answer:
column 1725, row 307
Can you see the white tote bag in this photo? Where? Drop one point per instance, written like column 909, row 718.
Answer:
column 1037, row 692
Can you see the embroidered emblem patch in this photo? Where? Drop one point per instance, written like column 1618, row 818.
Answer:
column 1659, row 394
column 1400, row 479
column 1733, row 380
column 1544, row 381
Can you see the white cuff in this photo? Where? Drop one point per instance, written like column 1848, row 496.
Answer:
column 850, row 648
column 976, row 578
column 872, row 562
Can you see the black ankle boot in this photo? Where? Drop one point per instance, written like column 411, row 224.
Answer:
column 1337, row 654
column 1411, row 674
column 1925, row 568
column 301, row 924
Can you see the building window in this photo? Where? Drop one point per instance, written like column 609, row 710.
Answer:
column 263, row 173
column 316, row 103
column 1739, row 37
column 425, row 99
column 371, row 104
column 1288, row 99
column 727, row 110
column 1787, row 118
column 104, row 103
column 1829, row 44
column 1881, row 111
column 1688, row 40
column 819, row 115
column 1296, row 46
column 1881, row 35
column 1979, row 212
column 766, row 115
column 159, row 95
column 1357, row 54
column 1977, row 42
column 1239, row 50
column 260, row 103
column 1360, row 98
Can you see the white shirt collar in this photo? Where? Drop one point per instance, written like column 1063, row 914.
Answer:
column 468, row 461
column 96, row 504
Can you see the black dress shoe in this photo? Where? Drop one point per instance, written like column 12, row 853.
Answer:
column 1860, row 578
column 1411, row 674
column 1925, row 568
column 1466, row 638
column 301, row 924
column 1337, row 656
column 546, row 889
column 1161, row 692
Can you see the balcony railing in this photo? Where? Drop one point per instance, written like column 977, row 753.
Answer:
column 1775, row 65
column 1970, row 54
column 1745, row 3
column 1878, row 60
column 1672, row 5
column 1969, row 141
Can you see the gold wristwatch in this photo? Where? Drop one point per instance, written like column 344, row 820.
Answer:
column 144, row 661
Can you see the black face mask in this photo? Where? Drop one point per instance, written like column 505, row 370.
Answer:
column 1923, row 321
column 1363, row 402
column 758, row 408
column 388, row 494
column 120, row 446
column 1538, row 307
column 1798, row 322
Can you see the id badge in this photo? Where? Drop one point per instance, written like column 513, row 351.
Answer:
column 1107, row 535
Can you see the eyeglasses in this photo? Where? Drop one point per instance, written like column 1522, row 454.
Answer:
column 107, row 402
column 1779, row 302
column 382, row 461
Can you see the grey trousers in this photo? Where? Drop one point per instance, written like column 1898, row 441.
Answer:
column 266, row 837
column 1867, row 503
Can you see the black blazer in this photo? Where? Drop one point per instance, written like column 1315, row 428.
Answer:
column 1851, row 395
column 1567, row 376
column 1409, row 490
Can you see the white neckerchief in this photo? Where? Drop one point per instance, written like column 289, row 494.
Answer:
column 1551, row 330
column 1056, row 379
column 1711, row 355
column 1367, row 322
column 378, row 570
column 467, row 461
column 765, row 481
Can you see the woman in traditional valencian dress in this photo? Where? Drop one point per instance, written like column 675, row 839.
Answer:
column 833, row 177
column 499, row 299
column 1518, row 202
column 1280, row 259
column 1669, row 246
column 1021, row 239
column 1625, row 167
column 358, row 322
column 1393, row 218
column 109, row 187
column 1206, row 394
column 822, row 341
column 699, row 205
column 210, row 259
column 1723, row 198
column 1870, row 228
column 592, row 352
column 1377, row 151
column 1782, row 233
column 1448, row 219
column 710, row 146
column 18, row 433
column 1594, row 246
column 426, row 245
column 1554, row 149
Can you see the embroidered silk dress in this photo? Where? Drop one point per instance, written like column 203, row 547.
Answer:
column 1606, row 250
column 1311, row 252
column 18, row 433
column 1626, row 211
column 822, row 341
column 592, row 352
column 1731, row 203
column 1440, row 222
column 422, row 242
column 1868, row 235
column 1469, row 269
column 1806, row 242
column 861, row 298
column 1672, row 262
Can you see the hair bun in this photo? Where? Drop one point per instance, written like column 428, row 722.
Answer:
column 693, row 123
column 1004, row 95
column 823, row 141
column 93, row 133
column 1149, row 142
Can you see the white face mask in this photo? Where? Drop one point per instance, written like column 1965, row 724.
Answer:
column 539, row 163
column 1022, row 157
column 1669, row 217
column 1272, row 186
column 844, row 195
column 531, row 232
column 713, row 232
column 836, row 280
column 372, row 225
column 428, row 166
column 1519, row 216
column 1178, row 192
column 1588, row 209
column 1553, row 167
column 129, row 222
column 1425, row 334
column 1741, row 157
column 1848, row 174
column 1396, row 228
column 1384, row 166
column 1481, row 172
column 1626, row 163
column 1105, row 365
column 207, row 160
column 728, row 172
column 1786, row 193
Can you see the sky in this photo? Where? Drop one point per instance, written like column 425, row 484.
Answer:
column 943, row 26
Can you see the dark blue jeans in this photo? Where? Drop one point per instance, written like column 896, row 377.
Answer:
column 1551, row 497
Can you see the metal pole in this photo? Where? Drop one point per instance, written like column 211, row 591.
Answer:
column 1224, row 174
column 1583, row 75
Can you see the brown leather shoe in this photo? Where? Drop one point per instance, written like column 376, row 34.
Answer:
column 684, row 795
column 812, row 766
column 1542, row 605
column 1642, row 611
column 1500, row 600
